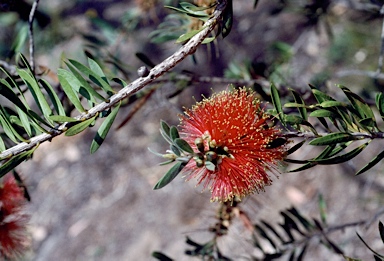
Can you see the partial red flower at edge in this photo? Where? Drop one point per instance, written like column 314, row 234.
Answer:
column 13, row 219
column 231, row 132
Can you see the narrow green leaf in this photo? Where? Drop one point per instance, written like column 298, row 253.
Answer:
column 278, row 142
column 24, row 62
column 166, row 136
column 174, row 133
column 165, row 127
column 187, row 36
column 208, row 40
column 183, row 145
column 197, row 14
column 322, row 209
column 119, row 81
column 296, row 147
column 145, row 59
column 292, row 255
column 322, row 113
column 175, row 150
column 15, row 161
column 305, row 222
column 166, row 162
column 293, row 119
column 340, row 147
column 14, row 120
column 300, row 101
column 333, row 246
column 170, row 175
column 36, row 92
column 191, row 7
column 342, row 158
column 34, row 115
column 263, row 234
column 161, row 256
column 326, row 152
column 367, row 122
column 83, row 84
column 7, row 91
column 93, row 76
column 61, row 118
column 302, row 253
column 76, row 85
column 329, row 104
column 8, row 128
column 15, row 85
column 333, row 138
column 72, row 96
column 2, row 145
column 304, row 167
column 227, row 19
column 320, row 96
column 373, row 251
column 295, row 161
column 277, row 103
column 267, row 225
column 154, row 152
column 381, row 230
column 19, row 41
column 79, row 127
column 358, row 104
column 372, row 163
column 294, row 105
column 104, row 129
column 53, row 97
column 380, row 103
column 95, row 67
column 255, row 4
column 25, row 121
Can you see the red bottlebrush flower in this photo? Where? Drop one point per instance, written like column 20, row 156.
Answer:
column 231, row 132
column 13, row 219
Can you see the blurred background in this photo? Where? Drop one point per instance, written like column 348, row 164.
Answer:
column 102, row 206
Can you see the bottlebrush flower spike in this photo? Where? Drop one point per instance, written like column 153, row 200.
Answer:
column 13, row 219
column 231, row 133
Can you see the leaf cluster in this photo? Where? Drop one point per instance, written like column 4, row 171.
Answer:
column 189, row 20
column 179, row 151
column 342, row 123
column 80, row 88
column 290, row 238
column 298, row 232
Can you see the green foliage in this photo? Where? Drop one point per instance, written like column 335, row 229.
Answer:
column 290, row 238
column 179, row 151
column 352, row 122
column 104, row 129
column 170, row 175
column 187, row 22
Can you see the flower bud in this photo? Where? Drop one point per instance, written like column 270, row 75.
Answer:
column 199, row 142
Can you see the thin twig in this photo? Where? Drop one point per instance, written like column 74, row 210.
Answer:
column 370, row 74
column 187, row 49
column 215, row 80
column 356, row 135
column 10, row 68
column 30, row 32
column 330, row 229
